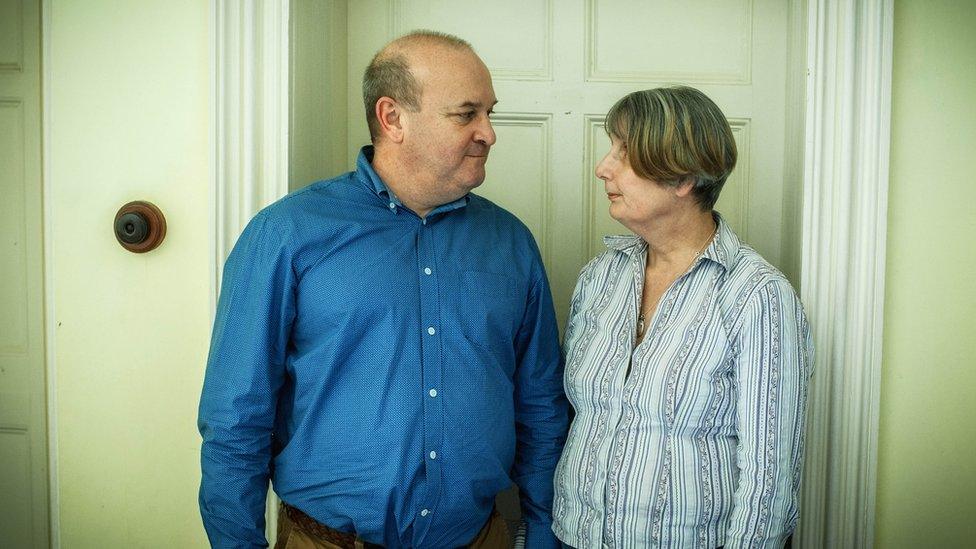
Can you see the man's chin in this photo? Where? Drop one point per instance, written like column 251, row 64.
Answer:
column 473, row 180
column 473, row 184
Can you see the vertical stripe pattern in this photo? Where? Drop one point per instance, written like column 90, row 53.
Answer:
column 695, row 437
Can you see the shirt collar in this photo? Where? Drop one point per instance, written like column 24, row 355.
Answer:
column 366, row 174
column 725, row 246
column 722, row 250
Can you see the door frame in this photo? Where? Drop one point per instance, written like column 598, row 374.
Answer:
column 842, row 276
column 249, row 131
column 845, row 78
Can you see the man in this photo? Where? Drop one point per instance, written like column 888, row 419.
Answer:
column 385, row 347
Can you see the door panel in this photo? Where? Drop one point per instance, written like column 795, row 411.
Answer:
column 566, row 64
column 640, row 41
column 130, row 113
column 23, row 434
column 558, row 67
column 525, row 24
column 523, row 147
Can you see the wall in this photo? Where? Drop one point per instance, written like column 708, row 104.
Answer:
column 129, row 119
column 927, row 450
column 317, row 92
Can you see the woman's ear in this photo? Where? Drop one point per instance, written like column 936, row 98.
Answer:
column 685, row 187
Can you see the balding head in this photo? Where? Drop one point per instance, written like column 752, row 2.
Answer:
column 392, row 72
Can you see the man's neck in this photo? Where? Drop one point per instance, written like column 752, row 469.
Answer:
column 388, row 167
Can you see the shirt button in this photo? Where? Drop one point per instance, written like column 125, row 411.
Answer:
column 424, row 512
column 431, row 330
column 433, row 393
column 427, row 270
column 392, row 206
column 433, row 455
column 424, row 221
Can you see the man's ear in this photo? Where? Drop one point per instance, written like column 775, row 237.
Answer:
column 388, row 113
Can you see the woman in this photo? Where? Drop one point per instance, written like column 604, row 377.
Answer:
column 687, row 354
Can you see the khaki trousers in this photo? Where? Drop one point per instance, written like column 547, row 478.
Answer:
column 493, row 535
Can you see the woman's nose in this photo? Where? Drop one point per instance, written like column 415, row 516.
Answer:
column 603, row 169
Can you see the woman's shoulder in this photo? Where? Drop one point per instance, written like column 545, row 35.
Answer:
column 744, row 268
column 604, row 264
column 750, row 269
column 750, row 284
column 754, row 287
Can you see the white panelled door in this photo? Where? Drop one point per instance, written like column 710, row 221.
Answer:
column 559, row 66
column 23, row 434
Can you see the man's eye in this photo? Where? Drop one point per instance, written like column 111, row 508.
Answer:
column 467, row 115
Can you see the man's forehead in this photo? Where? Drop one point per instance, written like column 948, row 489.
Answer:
column 462, row 89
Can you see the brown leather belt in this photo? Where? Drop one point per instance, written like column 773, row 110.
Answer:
column 323, row 532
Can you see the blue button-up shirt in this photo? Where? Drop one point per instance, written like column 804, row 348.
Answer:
column 390, row 374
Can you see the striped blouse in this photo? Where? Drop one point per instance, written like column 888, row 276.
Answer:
column 695, row 437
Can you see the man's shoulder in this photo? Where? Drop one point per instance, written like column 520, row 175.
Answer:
column 487, row 211
column 316, row 198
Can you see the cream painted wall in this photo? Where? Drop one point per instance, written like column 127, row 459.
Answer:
column 129, row 119
column 927, row 447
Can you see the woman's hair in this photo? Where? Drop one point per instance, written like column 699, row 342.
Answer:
column 673, row 134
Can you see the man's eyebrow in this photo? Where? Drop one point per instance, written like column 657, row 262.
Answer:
column 474, row 105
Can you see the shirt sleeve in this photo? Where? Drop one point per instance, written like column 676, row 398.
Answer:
column 772, row 371
column 245, row 371
column 541, row 413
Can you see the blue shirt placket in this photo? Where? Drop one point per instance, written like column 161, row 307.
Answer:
column 432, row 369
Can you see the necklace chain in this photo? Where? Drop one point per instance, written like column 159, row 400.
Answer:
column 641, row 317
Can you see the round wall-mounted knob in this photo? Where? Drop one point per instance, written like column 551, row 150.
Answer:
column 140, row 226
column 132, row 228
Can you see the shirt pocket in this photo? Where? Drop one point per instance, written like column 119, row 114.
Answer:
column 490, row 311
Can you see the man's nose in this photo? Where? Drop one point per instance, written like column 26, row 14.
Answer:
column 486, row 133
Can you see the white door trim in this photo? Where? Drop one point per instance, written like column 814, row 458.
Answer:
column 249, row 117
column 249, row 128
column 844, row 226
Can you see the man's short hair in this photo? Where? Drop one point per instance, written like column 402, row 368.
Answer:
column 673, row 134
column 389, row 74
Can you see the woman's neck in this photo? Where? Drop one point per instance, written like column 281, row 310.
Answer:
column 671, row 241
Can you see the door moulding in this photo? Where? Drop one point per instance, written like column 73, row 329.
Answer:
column 842, row 274
column 249, row 128
column 249, row 118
